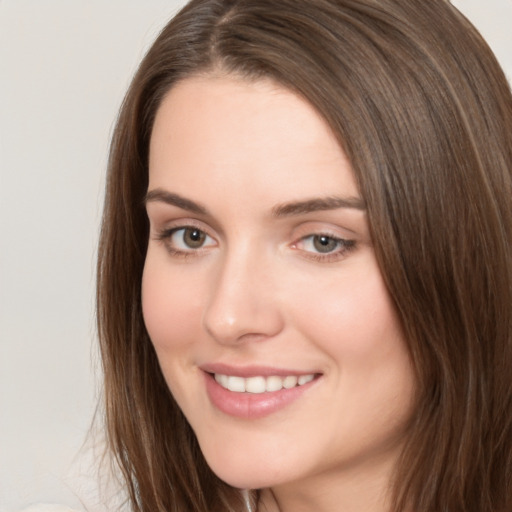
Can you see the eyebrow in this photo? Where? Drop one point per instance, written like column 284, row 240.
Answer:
column 281, row 210
column 317, row 204
column 175, row 200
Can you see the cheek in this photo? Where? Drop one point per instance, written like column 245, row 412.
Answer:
column 172, row 314
column 170, row 305
column 353, row 316
column 353, row 321
column 370, row 370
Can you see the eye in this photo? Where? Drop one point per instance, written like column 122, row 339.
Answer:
column 186, row 239
column 189, row 238
column 324, row 245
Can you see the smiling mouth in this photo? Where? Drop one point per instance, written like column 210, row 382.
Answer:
column 260, row 384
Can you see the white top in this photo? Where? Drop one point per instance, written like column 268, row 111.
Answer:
column 52, row 507
column 48, row 507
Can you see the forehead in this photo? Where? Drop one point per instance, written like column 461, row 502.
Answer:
column 258, row 137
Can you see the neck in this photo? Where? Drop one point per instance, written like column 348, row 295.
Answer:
column 361, row 489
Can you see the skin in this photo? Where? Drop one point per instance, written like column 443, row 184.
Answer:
column 259, row 292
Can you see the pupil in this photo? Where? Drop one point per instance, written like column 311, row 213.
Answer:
column 324, row 243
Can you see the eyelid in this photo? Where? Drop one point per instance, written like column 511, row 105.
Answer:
column 180, row 223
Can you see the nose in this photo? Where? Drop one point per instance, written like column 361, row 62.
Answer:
column 242, row 305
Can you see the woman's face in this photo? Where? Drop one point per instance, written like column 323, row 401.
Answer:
column 261, row 292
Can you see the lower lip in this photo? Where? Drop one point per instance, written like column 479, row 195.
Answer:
column 252, row 405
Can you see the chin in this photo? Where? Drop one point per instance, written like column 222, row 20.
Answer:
column 242, row 471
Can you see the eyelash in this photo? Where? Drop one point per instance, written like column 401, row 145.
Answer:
column 343, row 246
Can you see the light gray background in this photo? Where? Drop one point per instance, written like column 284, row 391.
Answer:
column 64, row 66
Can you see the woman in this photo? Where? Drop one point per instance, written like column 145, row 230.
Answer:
column 305, row 270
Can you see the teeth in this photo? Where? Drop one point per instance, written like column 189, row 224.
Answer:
column 304, row 379
column 289, row 382
column 236, row 384
column 222, row 380
column 274, row 383
column 261, row 384
column 255, row 385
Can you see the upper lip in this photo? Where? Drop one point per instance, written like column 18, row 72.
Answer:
column 252, row 370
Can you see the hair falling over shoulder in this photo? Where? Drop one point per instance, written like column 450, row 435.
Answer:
column 424, row 113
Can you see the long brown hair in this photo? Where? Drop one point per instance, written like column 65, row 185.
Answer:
column 424, row 113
